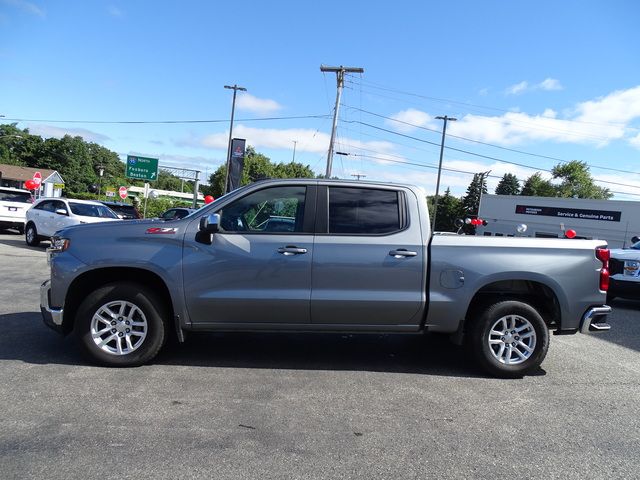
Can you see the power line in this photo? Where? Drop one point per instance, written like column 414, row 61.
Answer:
column 485, row 107
column 129, row 122
column 484, row 143
column 483, row 156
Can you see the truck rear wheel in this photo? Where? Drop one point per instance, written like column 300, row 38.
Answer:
column 121, row 324
column 509, row 339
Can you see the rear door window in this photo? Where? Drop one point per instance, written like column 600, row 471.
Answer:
column 364, row 211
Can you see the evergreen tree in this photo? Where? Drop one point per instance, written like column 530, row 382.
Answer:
column 471, row 200
column 508, row 185
column 449, row 209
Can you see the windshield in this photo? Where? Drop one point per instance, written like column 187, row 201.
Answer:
column 89, row 210
column 635, row 246
column 9, row 196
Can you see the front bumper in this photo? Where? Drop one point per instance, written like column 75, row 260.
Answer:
column 593, row 320
column 51, row 316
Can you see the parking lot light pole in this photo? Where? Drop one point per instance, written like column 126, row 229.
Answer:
column 235, row 89
column 100, row 175
column 435, row 201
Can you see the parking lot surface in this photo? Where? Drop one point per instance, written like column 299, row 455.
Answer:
column 308, row 406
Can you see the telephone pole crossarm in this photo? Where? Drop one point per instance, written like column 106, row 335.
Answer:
column 339, row 71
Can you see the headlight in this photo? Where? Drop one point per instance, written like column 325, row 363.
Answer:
column 59, row 244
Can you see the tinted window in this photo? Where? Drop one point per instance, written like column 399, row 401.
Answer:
column 9, row 196
column 168, row 215
column 48, row 206
column 363, row 211
column 88, row 210
column 277, row 209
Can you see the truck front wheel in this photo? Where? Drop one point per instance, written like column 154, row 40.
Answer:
column 509, row 339
column 121, row 324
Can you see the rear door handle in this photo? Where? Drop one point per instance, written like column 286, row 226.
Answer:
column 291, row 250
column 402, row 252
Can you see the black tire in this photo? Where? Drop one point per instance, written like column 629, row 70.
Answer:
column 20, row 229
column 487, row 355
column 31, row 235
column 151, row 309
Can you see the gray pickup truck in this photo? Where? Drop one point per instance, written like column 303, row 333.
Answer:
column 320, row 256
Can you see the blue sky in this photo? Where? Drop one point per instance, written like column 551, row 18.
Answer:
column 541, row 79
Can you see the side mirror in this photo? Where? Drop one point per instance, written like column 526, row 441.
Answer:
column 210, row 223
column 61, row 211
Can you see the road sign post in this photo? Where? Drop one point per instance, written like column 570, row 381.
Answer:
column 141, row 168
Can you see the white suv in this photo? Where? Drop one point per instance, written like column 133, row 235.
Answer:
column 14, row 203
column 48, row 215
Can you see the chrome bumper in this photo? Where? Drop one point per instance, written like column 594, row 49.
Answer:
column 51, row 316
column 593, row 320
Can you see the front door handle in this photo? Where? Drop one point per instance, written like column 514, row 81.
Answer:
column 402, row 252
column 291, row 250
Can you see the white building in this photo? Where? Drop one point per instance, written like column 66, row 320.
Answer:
column 615, row 221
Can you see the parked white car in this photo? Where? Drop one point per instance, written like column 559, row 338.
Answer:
column 48, row 215
column 14, row 204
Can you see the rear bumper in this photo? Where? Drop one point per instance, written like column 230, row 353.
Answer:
column 51, row 316
column 624, row 288
column 594, row 320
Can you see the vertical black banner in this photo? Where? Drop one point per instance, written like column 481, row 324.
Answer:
column 236, row 163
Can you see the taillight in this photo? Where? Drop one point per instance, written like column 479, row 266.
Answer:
column 604, row 254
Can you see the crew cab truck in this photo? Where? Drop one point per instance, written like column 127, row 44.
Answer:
column 320, row 256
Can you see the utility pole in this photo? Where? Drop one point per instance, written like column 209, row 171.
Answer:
column 340, row 71
column 294, row 151
column 435, row 204
column 235, row 89
column 358, row 175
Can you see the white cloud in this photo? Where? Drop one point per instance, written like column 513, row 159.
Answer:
column 48, row 131
column 518, row 88
column 596, row 122
column 524, row 86
column 617, row 108
column 25, row 6
column 412, row 116
column 248, row 102
column 307, row 140
column 114, row 11
column 550, row 84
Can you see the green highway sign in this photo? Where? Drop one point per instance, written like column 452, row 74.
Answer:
column 141, row 168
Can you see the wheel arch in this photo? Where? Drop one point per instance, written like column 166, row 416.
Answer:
column 89, row 281
column 533, row 292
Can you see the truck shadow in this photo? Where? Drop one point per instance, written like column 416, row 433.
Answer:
column 28, row 340
column 625, row 324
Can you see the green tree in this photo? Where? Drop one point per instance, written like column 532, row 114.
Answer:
column 257, row 167
column 18, row 147
column 471, row 200
column 576, row 181
column 508, row 185
column 449, row 209
column 536, row 186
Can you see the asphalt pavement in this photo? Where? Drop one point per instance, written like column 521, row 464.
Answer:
column 242, row 406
